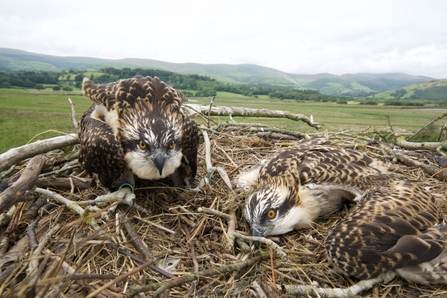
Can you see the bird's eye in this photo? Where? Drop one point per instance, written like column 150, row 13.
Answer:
column 171, row 145
column 142, row 145
column 271, row 214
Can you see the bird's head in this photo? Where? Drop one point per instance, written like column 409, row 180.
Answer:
column 275, row 209
column 152, row 146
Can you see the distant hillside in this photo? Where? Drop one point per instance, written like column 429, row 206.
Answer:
column 430, row 90
column 348, row 84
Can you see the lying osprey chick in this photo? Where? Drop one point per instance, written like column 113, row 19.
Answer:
column 298, row 184
column 396, row 225
column 137, row 127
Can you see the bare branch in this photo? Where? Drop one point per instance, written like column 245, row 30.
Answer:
column 237, row 111
column 15, row 155
column 422, row 145
column 352, row 291
column 209, row 166
column 17, row 192
column 73, row 114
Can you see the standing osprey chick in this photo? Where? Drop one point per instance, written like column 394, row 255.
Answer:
column 137, row 126
column 291, row 189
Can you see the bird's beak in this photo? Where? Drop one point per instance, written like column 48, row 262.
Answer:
column 257, row 232
column 159, row 161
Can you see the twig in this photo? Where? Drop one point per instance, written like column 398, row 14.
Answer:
column 34, row 263
column 162, row 287
column 136, row 240
column 65, row 182
column 18, row 191
column 73, row 114
column 5, row 217
column 255, row 285
column 209, row 166
column 237, row 111
column 15, row 155
column 31, row 232
column 209, row 111
column 119, row 279
column 419, row 145
column 233, row 234
column 69, row 204
column 352, row 291
column 439, row 173
column 434, row 120
column 389, row 123
column 155, row 225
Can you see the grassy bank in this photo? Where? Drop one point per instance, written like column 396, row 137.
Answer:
column 27, row 115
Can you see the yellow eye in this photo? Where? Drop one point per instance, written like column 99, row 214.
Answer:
column 142, row 145
column 171, row 145
column 271, row 214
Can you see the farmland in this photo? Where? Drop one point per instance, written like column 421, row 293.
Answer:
column 27, row 115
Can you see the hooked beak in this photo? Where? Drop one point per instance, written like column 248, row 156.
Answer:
column 159, row 161
column 257, row 232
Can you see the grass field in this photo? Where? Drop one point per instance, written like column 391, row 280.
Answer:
column 27, row 115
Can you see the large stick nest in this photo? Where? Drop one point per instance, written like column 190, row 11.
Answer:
column 165, row 229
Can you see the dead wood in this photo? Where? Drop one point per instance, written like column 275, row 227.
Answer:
column 19, row 190
column 15, row 155
column 160, row 288
column 62, row 183
column 113, row 258
column 432, row 170
column 238, row 111
column 420, row 145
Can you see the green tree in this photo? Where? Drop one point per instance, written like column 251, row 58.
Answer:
column 39, row 87
column 57, row 88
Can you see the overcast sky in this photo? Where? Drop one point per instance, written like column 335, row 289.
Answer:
column 294, row 36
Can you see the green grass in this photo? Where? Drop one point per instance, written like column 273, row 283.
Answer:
column 27, row 115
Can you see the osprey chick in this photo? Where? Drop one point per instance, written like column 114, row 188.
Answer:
column 396, row 224
column 137, row 127
column 292, row 188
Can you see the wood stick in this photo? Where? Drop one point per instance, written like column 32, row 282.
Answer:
column 237, row 111
column 15, row 155
column 162, row 287
column 18, row 191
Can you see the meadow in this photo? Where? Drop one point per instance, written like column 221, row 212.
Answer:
column 27, row 115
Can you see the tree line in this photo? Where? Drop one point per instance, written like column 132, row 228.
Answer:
column 190, row 84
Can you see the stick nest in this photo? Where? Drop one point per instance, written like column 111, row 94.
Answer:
column 165, row 230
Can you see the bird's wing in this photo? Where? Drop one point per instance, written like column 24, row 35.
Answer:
column 190, row 144
column 150, row 94
column 100, row 153
column 391, row 227
column 185, row 173
column 322, row 163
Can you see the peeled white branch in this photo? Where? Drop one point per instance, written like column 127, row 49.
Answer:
column 15, row 155
column 209, row 166
column 238, row 111
column 352, row 291
column 422, row 145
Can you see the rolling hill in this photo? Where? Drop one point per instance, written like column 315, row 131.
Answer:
column 430, row 90
column 361, row 84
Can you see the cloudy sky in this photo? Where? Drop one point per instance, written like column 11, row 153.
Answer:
column 344, row 36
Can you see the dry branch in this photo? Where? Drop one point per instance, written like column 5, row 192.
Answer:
column 15, row 155
column 162, row 287
column 18, row 191
column 420, row 145
column 237, row 111
column 439, row 173
column 352, row 291
column 65, row 182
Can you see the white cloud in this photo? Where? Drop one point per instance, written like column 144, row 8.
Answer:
column 295, row 36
